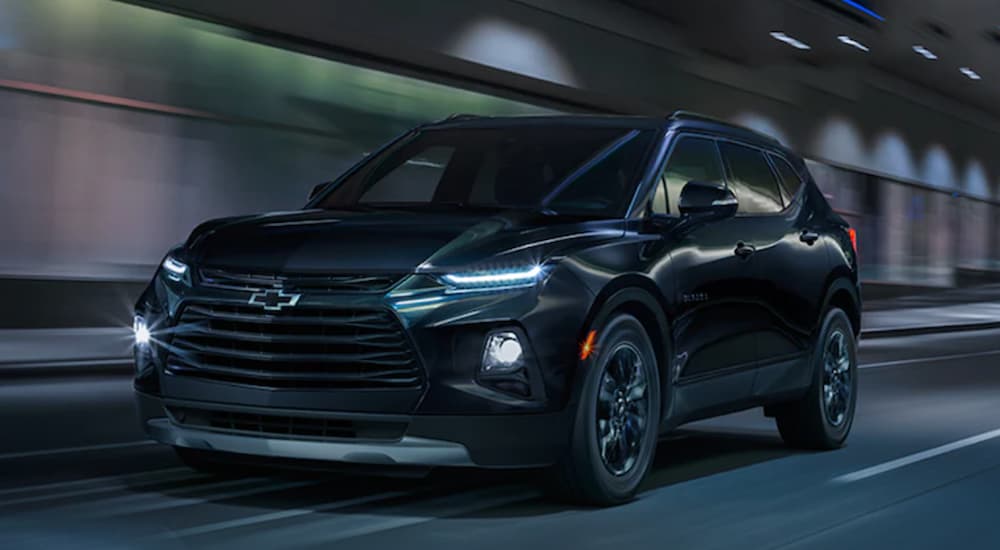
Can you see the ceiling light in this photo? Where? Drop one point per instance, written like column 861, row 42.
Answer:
column 797, row 44
column 970, row 73
column 852, row 42
column 924, row 52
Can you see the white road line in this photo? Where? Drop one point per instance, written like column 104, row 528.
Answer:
column 916, row 457
column 124, row 504
column 324, row 530
column 442, row 511
column 88, row 481
column 175, row 502
column 83, row 449
column 928, row 359
column 275, row 516
column 109, row 488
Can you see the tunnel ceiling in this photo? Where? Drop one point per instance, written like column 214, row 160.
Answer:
column 959, row 34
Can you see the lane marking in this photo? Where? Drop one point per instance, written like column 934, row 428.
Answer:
column 322, row 531
column 275, row 516
column 916, row 457
column 123, row 504
column 928, row 359
column 81, row 449
column 79, row 482
column 180, row 476
column 442, row 509
column 179, row 502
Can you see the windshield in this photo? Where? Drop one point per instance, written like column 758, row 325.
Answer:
column 579, row 170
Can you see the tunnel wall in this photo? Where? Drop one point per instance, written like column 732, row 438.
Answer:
column 929, row 155
column 126, row 126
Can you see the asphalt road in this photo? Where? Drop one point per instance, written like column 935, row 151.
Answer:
column 921, row 470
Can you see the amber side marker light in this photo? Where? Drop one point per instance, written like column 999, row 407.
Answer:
column 854, row 238
column 587, row 347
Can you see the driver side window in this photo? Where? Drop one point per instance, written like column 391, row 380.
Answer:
column 693, row 159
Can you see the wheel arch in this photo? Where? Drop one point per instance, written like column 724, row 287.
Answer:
column 843, row 293
column 639, row 297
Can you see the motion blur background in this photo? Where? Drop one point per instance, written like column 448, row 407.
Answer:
column 125, row 124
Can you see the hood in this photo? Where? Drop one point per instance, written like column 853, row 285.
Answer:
column 385, row 241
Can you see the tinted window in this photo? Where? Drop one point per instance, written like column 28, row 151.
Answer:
column 568, row 169
column 751, row 179
column 790, row 181
column 693, row 159
column 414, row 180
column 607, row 183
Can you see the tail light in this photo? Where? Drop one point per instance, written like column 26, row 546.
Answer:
column 854, row 238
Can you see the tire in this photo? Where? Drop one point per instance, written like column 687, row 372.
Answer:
column 208, row 462
column 624, row 359
column 812, row 422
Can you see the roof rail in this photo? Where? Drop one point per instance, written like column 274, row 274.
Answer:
column 458, row 116
column 690, row 115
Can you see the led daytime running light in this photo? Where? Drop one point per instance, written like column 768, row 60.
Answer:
column 494, row 278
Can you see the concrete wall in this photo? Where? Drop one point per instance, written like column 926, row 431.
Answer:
column 125, row 126
column 603, row 52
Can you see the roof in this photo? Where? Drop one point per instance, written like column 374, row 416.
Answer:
column 624, row 121
column 687, row 119
column 677, row 119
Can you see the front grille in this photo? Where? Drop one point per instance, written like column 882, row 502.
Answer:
column 295, row 282
column 300, row 347
column 289, row 426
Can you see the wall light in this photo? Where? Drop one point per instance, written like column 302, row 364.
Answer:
column 793, row 42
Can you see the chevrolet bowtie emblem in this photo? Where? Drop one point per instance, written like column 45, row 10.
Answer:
column 274, row 300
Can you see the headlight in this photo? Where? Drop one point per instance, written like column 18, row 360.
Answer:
column 500, row 279
column 141, row 331
column 175, row 270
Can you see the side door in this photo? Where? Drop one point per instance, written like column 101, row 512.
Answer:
column 794, row 264
column 713, row 325
column 772, row 224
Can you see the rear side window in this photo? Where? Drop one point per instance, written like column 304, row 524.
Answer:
column 693, row 159
column 790, row 180
column 751, row 179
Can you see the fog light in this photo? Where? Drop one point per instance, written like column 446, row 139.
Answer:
column 503, row 353
column 141, row 331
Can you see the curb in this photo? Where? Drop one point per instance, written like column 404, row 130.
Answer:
column 109, row 365
column 937, row 329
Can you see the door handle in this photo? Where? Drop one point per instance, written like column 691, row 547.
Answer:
column 808, row 236
column 744, row 250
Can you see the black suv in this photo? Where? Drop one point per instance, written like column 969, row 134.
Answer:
column 511, row 292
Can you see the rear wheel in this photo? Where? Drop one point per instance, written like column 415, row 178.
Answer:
column 823, row 417
column 617, row 418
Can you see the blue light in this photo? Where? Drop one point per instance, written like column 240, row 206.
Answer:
column 493, row 280
column 863, row 9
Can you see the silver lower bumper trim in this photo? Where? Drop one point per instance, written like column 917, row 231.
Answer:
column 415, row 451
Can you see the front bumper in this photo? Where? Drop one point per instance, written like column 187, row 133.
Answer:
column 489, row 441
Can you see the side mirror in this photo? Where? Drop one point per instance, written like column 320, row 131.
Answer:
column 704, row 201
column 316, row 189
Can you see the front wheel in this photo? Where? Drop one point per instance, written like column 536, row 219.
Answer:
column 617, row 419
column 823, row 417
